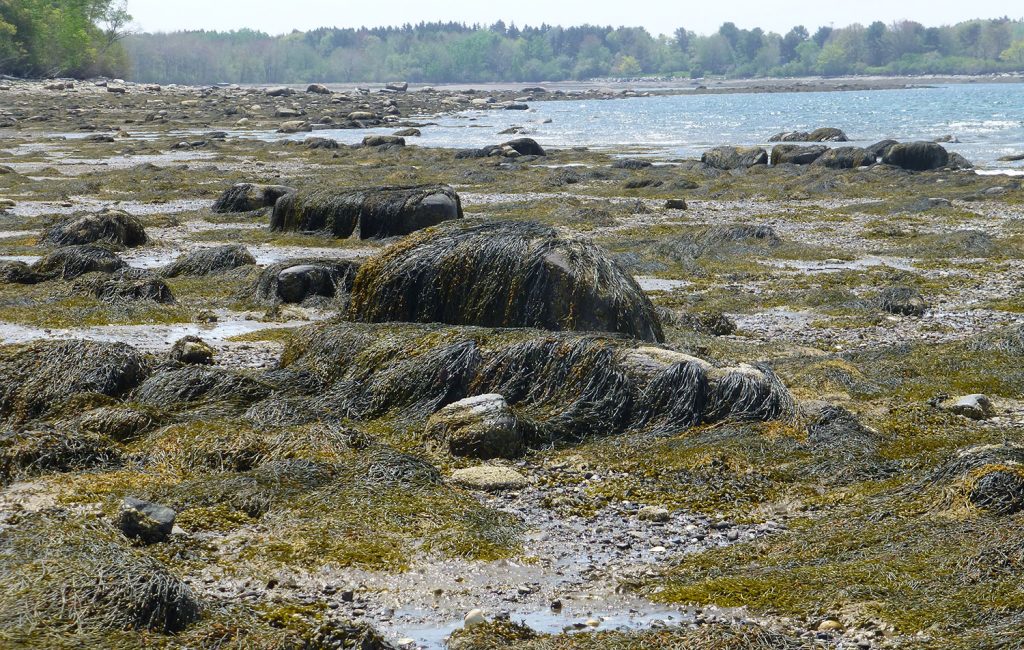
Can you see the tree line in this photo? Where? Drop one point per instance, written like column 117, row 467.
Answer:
column 63, row 38
column 454, row 52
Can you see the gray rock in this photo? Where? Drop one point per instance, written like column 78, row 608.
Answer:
column 477, row 427
column 975, row 407
column 795, row 154
column 145, row 521
column 192, row 350
column 917, row 156
column 728, row 157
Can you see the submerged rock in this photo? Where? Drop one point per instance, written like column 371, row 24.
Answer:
column 210, row 261
column 110, row 226
column 481, row 427
column 372, row 212
column 502, row 274
column 727, row 157
column 245, row 197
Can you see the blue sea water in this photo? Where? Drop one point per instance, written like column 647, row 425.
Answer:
column 987, row 119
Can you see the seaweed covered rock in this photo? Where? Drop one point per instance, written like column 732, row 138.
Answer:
column 727, row 157
column 825, row 134
column 192, row 350
column 904, row 301
column 116, row 422
column 990, row 477
column 975, row 407
column 16, row 272
column 43, row 375
column 26, row 453
column 383, row 141
column 246, row 197
column 525, row 147
column 73, row 261
column 510, row 149
column 880, row 148
column 64, row 574
column 131, row 285
column 372, row 212
column 795, row 154
column 502, row 274
column 299, row 280
column 917, row 156
column 210, row 261
column 845, row 158
column 194, row 384
column 481, row 427
column 561, row 386
column 110, row 226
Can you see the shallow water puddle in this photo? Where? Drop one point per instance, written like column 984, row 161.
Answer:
column 836, row 266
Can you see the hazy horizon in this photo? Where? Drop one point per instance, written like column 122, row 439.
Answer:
column 657, row 16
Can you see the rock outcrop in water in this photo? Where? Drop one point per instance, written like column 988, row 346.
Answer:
column 917, row 156
column 502, row 274
column 826, row 134
column 373, row 213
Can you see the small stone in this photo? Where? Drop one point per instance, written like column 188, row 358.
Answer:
column 653, row 513
column 675, row 204
column 830, row 625
column 593, row 622
column 149, row 522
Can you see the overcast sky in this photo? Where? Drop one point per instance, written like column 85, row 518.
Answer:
column 658, row 16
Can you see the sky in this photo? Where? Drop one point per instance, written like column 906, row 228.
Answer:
column 658, row 16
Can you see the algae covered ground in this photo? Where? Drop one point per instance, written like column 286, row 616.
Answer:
column 822, row 487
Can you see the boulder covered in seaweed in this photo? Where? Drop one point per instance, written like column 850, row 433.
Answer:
column 502, row 274
column 989, row 477
column 209, row 261
column 299, row 280
column 131, row 285
column 917, row 156
column 44, row 375
column 727, row 157
column 71, row 262
column 115, row 227
column 246, row 197
column 373, row 213
column 561, row 386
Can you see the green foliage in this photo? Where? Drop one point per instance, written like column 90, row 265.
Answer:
column 72, row 38
column 453, row 52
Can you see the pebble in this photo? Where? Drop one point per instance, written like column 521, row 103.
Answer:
column 475, row 617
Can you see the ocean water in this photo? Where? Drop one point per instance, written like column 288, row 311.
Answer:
column 987, row 119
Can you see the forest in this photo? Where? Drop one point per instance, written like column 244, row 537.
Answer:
column 65, row 38
column 453, row 52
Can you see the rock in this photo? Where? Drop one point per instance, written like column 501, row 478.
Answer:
column 287, row 112
column 795, row 154
column 279, row 91
column 372, row 212
column 904, row 301
column 407, row 133
column 383, row 140
column 321, row 143
column 791, row 136
column 952, row 139
column 15, row 272
column 845, row 158
column 294, row 282
column 99, row 137
column 516, row 106
column 631, row 163
column 830, row 625
column 675, row 204
column 116, row 88
column 397, row 86
column 880, row 148
column 5, row 170
column 526, row 147
column 917, row 156
column 209, row 261
column 318, row 89
column 295, row 126
column 71, row 262
column 110, row 226
column 145, row 521
column 653, row 513
column 490, row 478
column 245, row 197
column 827, row 134
column 481, row 427
column 727, row 157
column 475, row 617
column 593, row 622
column 1013, row 157
column 975, row 407
column 957, row 161
column 361, row 116
column 192, row 350
column 130, row 285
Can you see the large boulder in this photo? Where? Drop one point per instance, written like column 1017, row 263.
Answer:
column 299, row 280
column 727, row 157
column 209, row 261
column 372, row 212
column 917, row 156
column 110, row 226
column 796, row 154
column 525, row 147
column 245, row 197
column 73, row 261
column 502, row 274
column 131, row 285
column 845, row 158
column 44, row 375
column 880, row 148
column 481, row 427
